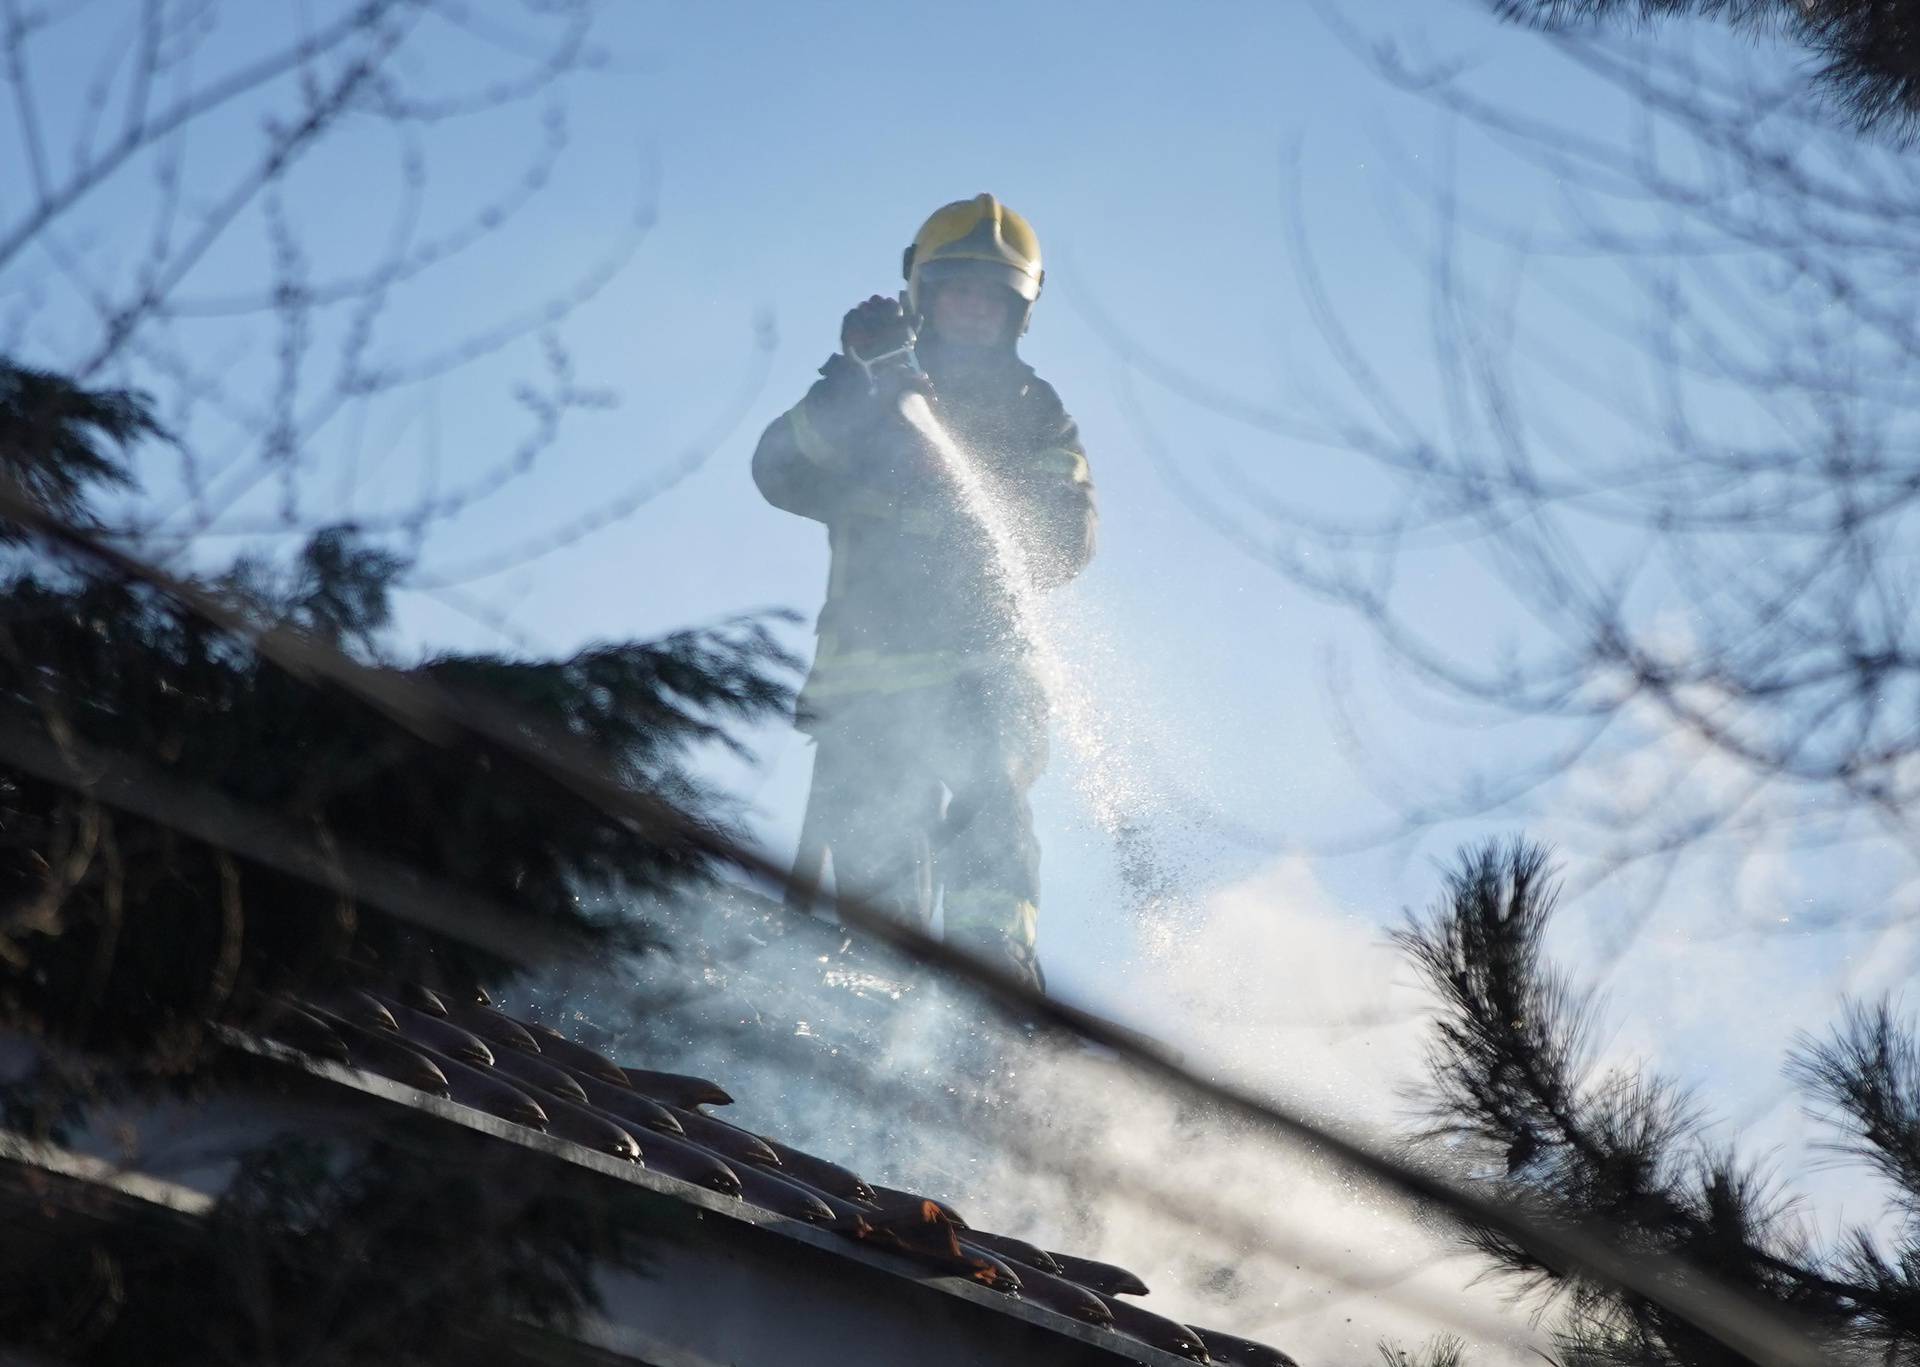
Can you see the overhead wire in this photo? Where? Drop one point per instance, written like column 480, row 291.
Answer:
column 1760, row 1332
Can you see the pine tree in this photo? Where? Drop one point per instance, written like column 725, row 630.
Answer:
column 1512, row 1087
column 174, row 804
column 1866, row 52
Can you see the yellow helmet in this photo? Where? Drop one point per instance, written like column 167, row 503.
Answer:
column 978, row 236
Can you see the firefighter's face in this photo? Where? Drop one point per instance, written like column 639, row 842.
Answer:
column 970, row 312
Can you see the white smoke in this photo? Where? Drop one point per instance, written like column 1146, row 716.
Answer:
column 1270, row 985
column 1266, row 981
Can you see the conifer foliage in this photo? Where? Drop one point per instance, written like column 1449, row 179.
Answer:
column 120, row 923
column 59, row 441
column 190, row 829
column 1866, row 52
column 1512, row 1086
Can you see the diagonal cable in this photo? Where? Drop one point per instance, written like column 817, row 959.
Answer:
column 1758, row 1331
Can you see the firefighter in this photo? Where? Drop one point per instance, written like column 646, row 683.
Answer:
column 929, row 723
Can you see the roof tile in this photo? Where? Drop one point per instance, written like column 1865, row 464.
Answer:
column 1233, row 1351
column 420, row 1028
column 560, row 1050
column 1105, row 1278
column 677, row 1088
column 494, row 1025
column 537, row 1072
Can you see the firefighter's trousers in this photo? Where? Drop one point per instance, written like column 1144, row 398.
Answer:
column 923, row 793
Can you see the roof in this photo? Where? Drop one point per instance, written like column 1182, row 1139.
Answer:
column 464, row 1049
column 755, row 1218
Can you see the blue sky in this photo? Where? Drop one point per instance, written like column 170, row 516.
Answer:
column 787, row 152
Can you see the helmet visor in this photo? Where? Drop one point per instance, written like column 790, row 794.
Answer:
column 933, row 274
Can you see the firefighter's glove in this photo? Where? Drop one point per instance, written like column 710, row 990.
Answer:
column 878, row 337
column 879, row 325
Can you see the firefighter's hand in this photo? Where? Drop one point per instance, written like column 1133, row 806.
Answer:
column 874, row 328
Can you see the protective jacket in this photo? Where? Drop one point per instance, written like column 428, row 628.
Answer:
column 915, row 598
